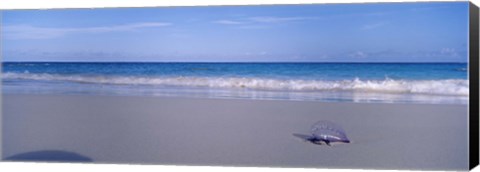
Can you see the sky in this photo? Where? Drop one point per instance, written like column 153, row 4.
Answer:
column 373, row 32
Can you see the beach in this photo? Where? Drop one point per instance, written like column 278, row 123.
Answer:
column 235, row 132
column 239, row 86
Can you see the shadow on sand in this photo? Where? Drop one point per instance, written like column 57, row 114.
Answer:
column 49, row 156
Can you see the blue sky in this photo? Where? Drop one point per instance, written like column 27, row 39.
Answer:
column 375, row 32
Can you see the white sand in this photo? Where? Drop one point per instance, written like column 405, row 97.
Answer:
column 160, row 130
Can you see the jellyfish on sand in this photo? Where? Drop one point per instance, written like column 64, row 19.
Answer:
column 325, row 132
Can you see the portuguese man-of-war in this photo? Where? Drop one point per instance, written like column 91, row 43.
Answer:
column 325, row 132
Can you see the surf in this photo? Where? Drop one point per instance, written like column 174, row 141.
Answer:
column 450, row 87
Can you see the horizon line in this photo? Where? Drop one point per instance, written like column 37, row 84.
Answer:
column 204, row 62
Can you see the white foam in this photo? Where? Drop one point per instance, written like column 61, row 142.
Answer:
column 454, row 87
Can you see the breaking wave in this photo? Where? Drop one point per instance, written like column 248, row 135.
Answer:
column 452, row 87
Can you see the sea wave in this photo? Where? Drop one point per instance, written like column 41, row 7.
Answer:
column 453, row 87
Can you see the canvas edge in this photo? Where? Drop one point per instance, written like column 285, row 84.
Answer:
column 474, row 86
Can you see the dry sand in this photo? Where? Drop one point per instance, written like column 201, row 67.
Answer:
column 188, row 131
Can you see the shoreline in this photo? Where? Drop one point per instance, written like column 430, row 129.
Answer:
column 203, row 131
column 180, row 96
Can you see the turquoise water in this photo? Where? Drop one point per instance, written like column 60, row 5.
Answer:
column 350, row 82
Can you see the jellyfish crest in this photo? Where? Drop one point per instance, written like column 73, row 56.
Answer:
column 329, row 131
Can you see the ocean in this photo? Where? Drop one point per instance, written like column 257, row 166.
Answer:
column 431, row 83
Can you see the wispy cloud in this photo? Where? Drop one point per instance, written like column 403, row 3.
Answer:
column 449, row 52
column 260, row 20
column 391, row 55
column 228, row 22
column 268, row 19
column 418, row 9
column 373, row 25
column 33, row 32
column 358, row 54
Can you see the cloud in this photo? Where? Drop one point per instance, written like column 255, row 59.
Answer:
column 260, row 20
column 373, row 26
column 428, row 8
column 449, row 52
column 75, row 55
column 33, row 32
column 228, row 22
column 277, row 19
column 358, row 54
column 253, row 26
column 392, row 55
